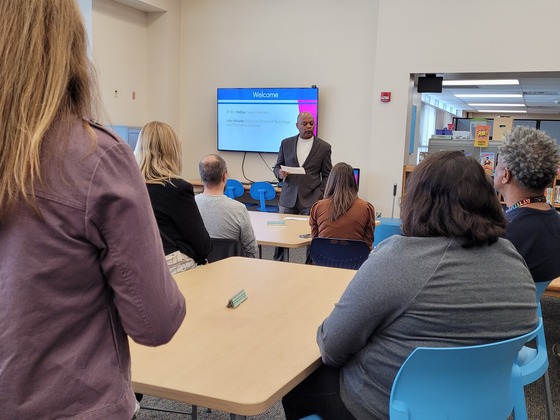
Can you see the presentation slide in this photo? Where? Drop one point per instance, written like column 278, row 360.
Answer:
column 257, row 120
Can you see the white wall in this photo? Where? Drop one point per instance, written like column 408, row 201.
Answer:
column 352, row 50
column 288, row 43
column 425, row 37
column 120, row 54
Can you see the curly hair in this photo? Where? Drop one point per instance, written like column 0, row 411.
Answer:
column 450, row 195
column 531, row 156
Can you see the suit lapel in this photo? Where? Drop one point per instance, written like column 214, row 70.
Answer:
column 294, row 150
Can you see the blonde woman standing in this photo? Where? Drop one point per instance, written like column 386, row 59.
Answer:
column 81, row 266
column 186, row 242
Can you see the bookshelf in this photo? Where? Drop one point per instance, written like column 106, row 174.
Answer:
column 552, row 192
column 407, row 170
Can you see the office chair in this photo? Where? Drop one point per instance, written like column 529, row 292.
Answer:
column 459, row 383
column 533, row 364
column 263, row 191
column 388, row 227
column 224, row 248
column 340, row 253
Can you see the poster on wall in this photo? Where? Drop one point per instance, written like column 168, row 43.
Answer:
column 488, row 162
column 482, row 136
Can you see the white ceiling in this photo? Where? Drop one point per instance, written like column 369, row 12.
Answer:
column 540, row 90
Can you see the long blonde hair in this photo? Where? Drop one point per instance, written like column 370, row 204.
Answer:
column 341, row 188
column 158, row 153
column 45, row 77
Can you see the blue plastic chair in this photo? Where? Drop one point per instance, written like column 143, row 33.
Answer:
column 234, row 188
column 459, row 383
column 340, row 253
column 388, row 227
column 264, row 192
column 533, row 364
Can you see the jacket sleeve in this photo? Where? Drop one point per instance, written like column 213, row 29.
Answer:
column 188, row 220
column 370, row 225
column 150, row 306
column 326, row 167
column 281, row 160
column 313, row 221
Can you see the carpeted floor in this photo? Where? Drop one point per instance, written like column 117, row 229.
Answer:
column 534, row 392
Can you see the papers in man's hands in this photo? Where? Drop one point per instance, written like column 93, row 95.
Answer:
column 299, row 170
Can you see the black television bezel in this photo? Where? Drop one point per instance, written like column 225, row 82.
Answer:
column 280, row 140
column 430, row 84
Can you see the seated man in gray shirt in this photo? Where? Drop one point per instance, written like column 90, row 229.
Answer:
column 223, row 217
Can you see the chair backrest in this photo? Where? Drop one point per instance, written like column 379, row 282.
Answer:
column 341, row 253
column 388, row 227
column 224, row 248
column 234, row 188
column 460, row 383
column 541, row 286
column 262, row 191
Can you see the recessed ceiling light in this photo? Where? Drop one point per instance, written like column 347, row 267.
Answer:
column 489, row 104
column 480, row 82
column 503, row 111
column 489, row 95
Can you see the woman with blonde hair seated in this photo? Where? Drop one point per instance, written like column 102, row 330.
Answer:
column 341, row 213
column 186, row 242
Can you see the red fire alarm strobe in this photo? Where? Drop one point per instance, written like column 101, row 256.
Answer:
column 385, row 96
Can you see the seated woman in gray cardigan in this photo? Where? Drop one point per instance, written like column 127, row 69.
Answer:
column 448, row 281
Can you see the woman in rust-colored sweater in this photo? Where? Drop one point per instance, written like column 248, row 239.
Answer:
column 341, row 214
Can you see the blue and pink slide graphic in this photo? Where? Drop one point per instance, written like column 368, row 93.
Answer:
column 256, row 120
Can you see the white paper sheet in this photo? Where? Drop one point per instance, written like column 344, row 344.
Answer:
column 293, row 169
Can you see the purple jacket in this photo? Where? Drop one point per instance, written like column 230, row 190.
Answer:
column 77, row 280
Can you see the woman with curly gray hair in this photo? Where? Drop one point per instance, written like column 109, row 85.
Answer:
column 527, row 164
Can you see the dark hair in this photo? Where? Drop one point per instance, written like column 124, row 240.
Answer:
column 341, row 188
column 531, row 156
column 449, row 194
column 211, row 169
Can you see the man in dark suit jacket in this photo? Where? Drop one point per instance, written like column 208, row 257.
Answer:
column 300, row 192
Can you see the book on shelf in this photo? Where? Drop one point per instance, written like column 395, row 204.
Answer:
column 549, row 195
column 488, row 162
column 482, row 136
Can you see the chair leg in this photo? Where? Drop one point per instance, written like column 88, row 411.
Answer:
column 548, row 395
column 520, row 406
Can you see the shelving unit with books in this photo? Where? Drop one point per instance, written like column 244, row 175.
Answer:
column 552, row 192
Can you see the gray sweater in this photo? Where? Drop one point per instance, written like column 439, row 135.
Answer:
column 415, row 292
column 227, row 219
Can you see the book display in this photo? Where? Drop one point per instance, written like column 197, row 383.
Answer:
column 552, row 192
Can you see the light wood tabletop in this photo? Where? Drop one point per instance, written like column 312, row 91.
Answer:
column 241, row 360
column 286, row 235
column 553, row 288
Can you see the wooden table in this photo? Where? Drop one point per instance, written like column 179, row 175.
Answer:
column 287, row 235
column 241, row 360
column 553, row 288
column 199, row 186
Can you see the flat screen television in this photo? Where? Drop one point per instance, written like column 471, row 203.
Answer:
column 357, row 176
column 258, row 119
